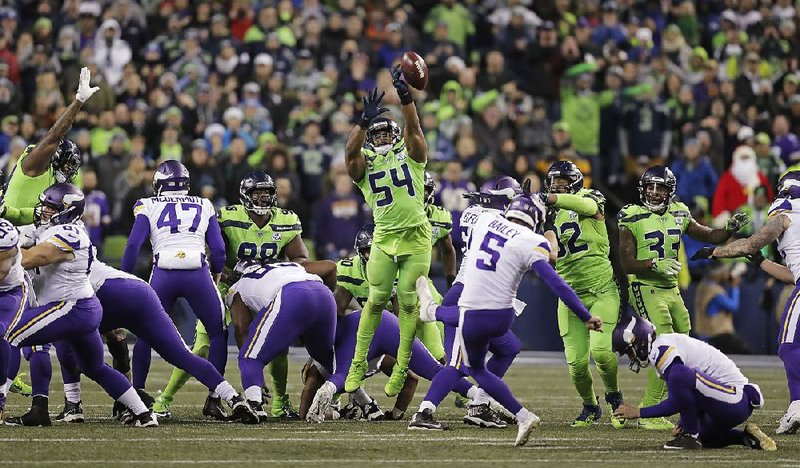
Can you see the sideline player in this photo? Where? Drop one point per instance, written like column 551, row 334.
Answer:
column 179, row 227
column 705, row 387
column 253, row 229
column 649, row 240
column 576, row 229
column 502, row 249
column 389, row 171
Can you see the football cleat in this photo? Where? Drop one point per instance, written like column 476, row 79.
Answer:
column 126, row 417
column 241, row 411
column 2, row 408
column 146, row 398
column 321, row 403
column 20, row 387
column 684, row 442
column 613, row 400
column 396, row 381
column 372, row 412
column 525, row 426
column 213, row 409
column 161, row 407
column 355, row 376
column 790, row 422
column 502, row 413
column 427, row 307
column 36, row 416
column 483, row 416
column 655, row 424
column 258, row 410
column 146, row 419
column 282, row 409
column 757, row 440
column 424, row 421
column 73, row 412
column 117, row 410
column 461, row 402
column 266, row 396
column 590, row 414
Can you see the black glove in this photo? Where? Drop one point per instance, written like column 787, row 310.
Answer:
column 526, row 186
column 755, row 258
column 372, row 108
column 450, row 280
column 401, row 86
column 703, row 253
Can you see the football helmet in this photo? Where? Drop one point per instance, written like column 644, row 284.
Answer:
column 430, row 187
column 529, row 209
column 789, row 185
column 657, row 188
column 63, row 202
column 566, row 170
column 496, row 194
column 66, row 161
column 171, row 176
column 382, row 135
column 363, row 242
column 633, row 337
column 258, row 203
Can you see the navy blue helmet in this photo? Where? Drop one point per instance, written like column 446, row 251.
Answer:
column 257, row 192
column 171, row 176
column 363, row 242
column 383, row 134
column 65, row 199
column 654, row 178
column 566, row 170
column 66, row 161
column 633, row 337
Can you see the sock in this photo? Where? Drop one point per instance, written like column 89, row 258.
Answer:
column 225, row 391
column 72, row 391
column 522, row 414
column 448, row 315
column 253, row 393
column 361, row 397
column 655, row 391
column 480, row 398
column 408, row 328
column 427, row 405
column 213, row 394
column 40, row 401
column 41, row 372
column 131, row 399
column 279, row 371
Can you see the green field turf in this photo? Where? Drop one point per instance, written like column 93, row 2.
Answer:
column 187, row 439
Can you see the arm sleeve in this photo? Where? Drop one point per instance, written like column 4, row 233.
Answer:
column 584, row 206
column 669, row 406
column 560, row 287
column 19, row 216
column 139, row 232
column 723, row 302
column 215, row 245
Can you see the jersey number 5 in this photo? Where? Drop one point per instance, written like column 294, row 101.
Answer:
column 169, row 216
column 378, row 189
column 491, row 250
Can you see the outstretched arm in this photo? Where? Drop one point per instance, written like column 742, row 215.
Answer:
column 44, row 254
column 584, row 206
column 707, row 234
column 768, row 233
column 778, row 271
column 564, row 292
column 412, row 130
column 356, row 164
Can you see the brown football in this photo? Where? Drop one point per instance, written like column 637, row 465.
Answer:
column 414, row 70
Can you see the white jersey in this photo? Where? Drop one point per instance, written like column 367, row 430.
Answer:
column 178, row 225
column 259, row 288
column 695, row 354
column 9, row 239
column 500, row 252
column 468, row 219
column 67, row 280
column 100, row 272
column 789, row 241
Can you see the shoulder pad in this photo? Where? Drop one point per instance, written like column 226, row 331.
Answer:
column 595, row 195
column 679, row 209
column 632, row 213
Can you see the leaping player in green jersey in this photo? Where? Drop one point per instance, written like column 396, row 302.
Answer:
column 254, row 229
column 649, row 241
column 389, row 169
column 576, row 229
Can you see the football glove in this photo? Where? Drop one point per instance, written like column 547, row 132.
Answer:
column 703, row 253
column 737, row 222
column 666, row 266
column 85, row 91
column 401, row 86
column 755, row 258
column 372, row 108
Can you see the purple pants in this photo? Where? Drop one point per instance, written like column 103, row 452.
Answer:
column 197, row 287
column 133, row 305
column 305, row 310
column 789, row 343
column 386, row 340
column 12, row 303
column 76, row 323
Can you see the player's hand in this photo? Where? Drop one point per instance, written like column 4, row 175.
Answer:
column 755, row 258
column 666, row 266
column 372, row 107
column 400, row 85
column 85, row 90
column 677, row 430
column 737, row 222
column 526, row 186
column 594, row 323
column 704, row 253
column 627, row 412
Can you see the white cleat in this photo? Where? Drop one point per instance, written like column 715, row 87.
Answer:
column 427, row 307
column 525, row 426
column 321, row 403
column 789, row 423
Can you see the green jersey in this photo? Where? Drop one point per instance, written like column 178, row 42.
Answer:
column 656, row 236
column 23, row 191
column 351, row 274
column 583, row 249
column 394, row 187
column 441, row 222
column 244, row 239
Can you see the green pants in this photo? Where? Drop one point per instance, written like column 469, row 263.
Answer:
column 382, row 269
column 431, row 334
column 665, row 309
column 580, row 343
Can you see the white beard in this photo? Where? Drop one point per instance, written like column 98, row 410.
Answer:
column 746, row 173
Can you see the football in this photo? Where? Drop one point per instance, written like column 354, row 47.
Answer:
column 414, row 70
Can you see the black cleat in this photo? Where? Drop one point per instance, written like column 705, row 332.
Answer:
column 118, row 410
column 242, row 411
column 684, row 442
column 36, row 416
column 73, row 412
column 213, row 409
column 146, row 398
column 372, row 412
column 258, row 409
column 423, row 420
column 146, row 419
column 483, row 416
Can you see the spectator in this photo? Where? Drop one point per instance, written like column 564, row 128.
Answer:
column 234, row 118
column 737, row 185
column 457, row 19
column 97, row 213
column 9, row 159
column 204, row 173
column 339, row 217
column 313, row 160
column 695, row 174
column 110, row 52
column 532, row 129
column 234, row 169
column 717, row 299
column 645, row 131
column 490, row 131
column 610, row 29
column 109, row 165
column 580, row 109
column 450, row 194
column 769, row 163
column 785, row 143
column 287, row 200
column 10, row 128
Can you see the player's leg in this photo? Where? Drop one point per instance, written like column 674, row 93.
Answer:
column 430, row 336
column 71, row 375
column 41, row 369
column 606, row 306
column 381, row 273
column 504, row 350
column 278, row 370
column 678, row 312
column 12, row 304
column 450, row 298
column 576, row 349
column 179, row 377
column 790, row 355
column 410, row 269
column 206, row 303
column 167, row 288
column 117, row 344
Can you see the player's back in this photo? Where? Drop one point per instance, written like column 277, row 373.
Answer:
column 67, row 280
column 697, row 355
column 9, row 239
column 467, row 221
column 500, row 252
column 178, row 223
column 99, row 273
column 259, row 287
column 789, row 241
column 23, row 191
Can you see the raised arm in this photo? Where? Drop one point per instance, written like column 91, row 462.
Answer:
column 354, row 158
column 768, row 233
column 412, row 130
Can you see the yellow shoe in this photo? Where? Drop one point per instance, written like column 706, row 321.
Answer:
column 19, row 386
column 656, row 424
column 396, row 381
column 355, row 376
column 757, row 440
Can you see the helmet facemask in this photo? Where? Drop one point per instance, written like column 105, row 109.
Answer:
column 655, row 196
column 259, row 200
column 558, row 185
column 383, row 135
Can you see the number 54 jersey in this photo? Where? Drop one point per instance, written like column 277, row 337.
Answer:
column 178, row 223
column 499, row 253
